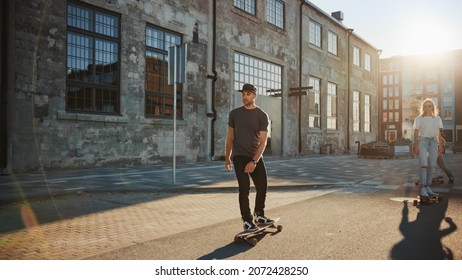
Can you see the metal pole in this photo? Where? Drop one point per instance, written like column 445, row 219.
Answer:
column 174, row 114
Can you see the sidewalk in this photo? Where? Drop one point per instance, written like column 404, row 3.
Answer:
column 345, row 170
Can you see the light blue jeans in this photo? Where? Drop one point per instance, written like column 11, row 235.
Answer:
column 428, row 153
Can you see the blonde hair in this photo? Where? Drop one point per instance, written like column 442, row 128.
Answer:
column 434, row 109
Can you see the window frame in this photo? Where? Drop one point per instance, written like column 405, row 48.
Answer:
column 332, row 45
column 356, row 56
column 367, row 62
column 263, row 74
column 314, row 94
column 159, row 94
column 356, row 111
column 332, row 106
column 91, row 39
column 248, row 6
column 315, row 33
column 275, row 13
column 367, row 113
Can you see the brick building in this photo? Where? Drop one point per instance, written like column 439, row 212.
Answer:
column 84, row 83
column 408, row 80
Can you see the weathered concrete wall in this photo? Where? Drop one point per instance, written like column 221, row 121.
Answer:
column 44, row 135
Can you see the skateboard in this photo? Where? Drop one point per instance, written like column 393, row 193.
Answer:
column 250, row 236
column 427, row 200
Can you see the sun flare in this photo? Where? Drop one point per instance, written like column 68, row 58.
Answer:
column 426, row 36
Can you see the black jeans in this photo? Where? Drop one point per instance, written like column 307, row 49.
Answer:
column 260, row 181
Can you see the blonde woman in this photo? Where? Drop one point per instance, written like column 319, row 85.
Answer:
column 428, row 144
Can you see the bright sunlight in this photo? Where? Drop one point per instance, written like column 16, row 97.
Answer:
column 426, row 35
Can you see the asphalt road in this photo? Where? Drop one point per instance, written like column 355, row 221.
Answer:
column 347, row 224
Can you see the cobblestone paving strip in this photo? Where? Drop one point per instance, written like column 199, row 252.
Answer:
column 98, row 232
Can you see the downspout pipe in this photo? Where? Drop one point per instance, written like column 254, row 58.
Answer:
column 347, row 148
column 3, row 89
column 300, row 70
column 213, row 114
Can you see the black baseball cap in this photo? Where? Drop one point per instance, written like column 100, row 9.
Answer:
column 248, row 87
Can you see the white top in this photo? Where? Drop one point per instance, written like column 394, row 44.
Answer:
column 428, row 126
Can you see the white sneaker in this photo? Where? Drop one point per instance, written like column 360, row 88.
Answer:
column 430, row 192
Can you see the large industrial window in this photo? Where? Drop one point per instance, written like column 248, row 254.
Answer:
column 93, row 64
column 331, row 106
column 265, row 75
column 159, row 94
column 314, row 95
column 356, row 111
column 315, row 33
column 246, row 5
column 275, row 12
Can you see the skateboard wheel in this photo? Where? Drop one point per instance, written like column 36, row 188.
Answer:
column 279, row 227
column 414, row 203
column 253, row 241
column 236, row 239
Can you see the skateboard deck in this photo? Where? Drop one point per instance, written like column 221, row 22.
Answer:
column 427, row 200
column 250, row 236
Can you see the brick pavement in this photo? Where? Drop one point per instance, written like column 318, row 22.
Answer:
column 99, row 232
column 79, row 213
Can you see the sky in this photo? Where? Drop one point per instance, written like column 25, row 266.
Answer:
column 402, row 27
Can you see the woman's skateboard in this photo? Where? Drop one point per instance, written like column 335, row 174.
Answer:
column 250, row 236
column 427, row 199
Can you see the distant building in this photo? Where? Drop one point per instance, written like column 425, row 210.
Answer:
column 85, row 83
column 407, row 80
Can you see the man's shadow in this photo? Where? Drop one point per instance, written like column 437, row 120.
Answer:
column 226, row 251
column 234, row 248
column 422, row 237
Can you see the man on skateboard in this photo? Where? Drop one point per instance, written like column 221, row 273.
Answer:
column 245, row 144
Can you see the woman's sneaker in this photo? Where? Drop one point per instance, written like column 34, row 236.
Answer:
column 430, row 192
column 423, row 192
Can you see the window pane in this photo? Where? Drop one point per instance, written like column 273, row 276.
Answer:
column 79, row 57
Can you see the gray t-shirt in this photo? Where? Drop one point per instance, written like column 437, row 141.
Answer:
column 247, row 123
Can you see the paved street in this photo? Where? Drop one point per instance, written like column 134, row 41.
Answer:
column 136, row 212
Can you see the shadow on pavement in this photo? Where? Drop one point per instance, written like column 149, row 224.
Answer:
column 422, row 237
column 227, row 251
column 235, row 248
